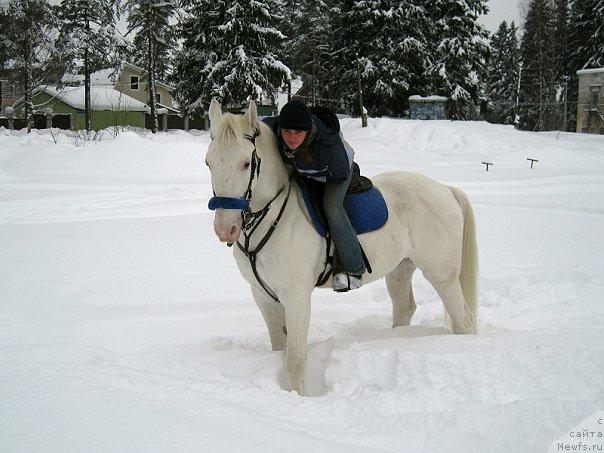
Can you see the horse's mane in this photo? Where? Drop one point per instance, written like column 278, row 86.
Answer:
column 230, row 128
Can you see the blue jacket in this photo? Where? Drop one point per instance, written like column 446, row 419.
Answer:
column 331, row 156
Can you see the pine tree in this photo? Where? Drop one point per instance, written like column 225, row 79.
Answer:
column 229, row 45
column 31, row 27
column 587, row 34
column 87, row 34
column 537, row 83
column 383, row 43
column 503, row 74
column 585, row 42
column 459, row 51
column 596, row 59
column 152, row 42
column 307, row 47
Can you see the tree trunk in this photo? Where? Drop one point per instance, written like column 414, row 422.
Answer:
column 87, row 101
column 361, row 107
column 151, row 69
column 29, row 104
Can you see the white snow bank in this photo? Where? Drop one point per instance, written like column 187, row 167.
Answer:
column 125, row 325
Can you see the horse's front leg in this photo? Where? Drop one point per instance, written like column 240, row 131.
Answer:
column 297, row 316
column 274, row 317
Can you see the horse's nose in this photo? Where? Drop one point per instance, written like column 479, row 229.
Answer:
column 227, row 232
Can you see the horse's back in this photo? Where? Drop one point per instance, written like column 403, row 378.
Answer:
column 414, row 192
column 425, row 211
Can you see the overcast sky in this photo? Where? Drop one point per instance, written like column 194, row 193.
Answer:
column 501, row 10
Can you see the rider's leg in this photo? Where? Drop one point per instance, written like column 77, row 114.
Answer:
column 342, row 232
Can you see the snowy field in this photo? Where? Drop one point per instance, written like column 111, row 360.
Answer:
column 126, row 326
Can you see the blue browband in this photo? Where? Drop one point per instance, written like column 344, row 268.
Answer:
column 228, row 203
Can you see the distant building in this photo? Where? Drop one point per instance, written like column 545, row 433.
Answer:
column 132, row 81
column 109, row 108
column 119, row 97
column 590, row 103
column 427, row 108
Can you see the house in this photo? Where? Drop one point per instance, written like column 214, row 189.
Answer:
column 65, row 108
column 427, row 108
column 133, row 82
column 590, row 102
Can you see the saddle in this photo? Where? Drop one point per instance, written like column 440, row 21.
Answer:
column 363, row 203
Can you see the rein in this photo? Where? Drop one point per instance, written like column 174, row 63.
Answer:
column 252, row 226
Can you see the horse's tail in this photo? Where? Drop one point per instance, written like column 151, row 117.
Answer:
column 468, row 276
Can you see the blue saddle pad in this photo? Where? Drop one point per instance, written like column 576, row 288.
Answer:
column 367, row 211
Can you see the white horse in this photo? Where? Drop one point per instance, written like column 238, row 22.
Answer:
column 430, row 226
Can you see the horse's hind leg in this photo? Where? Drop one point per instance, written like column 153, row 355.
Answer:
column 450, row 291
column 274, row 317
column 399, row 287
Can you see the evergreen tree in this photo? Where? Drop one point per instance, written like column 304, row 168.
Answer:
column 152, row 42
column 307, row 47
column 584, row 33
column 30, row 27
column 227, row 54
column 382, row 43
column 561, row 40
column 596, row 58
column 537, row 83
column 459, row 51
column 87, row 38
column 4, row 37
column 503, row 74
column 587, row 34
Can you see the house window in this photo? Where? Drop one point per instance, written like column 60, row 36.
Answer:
column 158, row 98
column 134, row 82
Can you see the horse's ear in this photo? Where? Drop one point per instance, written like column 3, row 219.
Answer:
column 215, row 113
column 251, row 116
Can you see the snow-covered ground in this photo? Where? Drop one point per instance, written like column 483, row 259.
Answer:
column 126, row 326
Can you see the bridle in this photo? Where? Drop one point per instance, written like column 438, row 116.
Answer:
column 251, row 220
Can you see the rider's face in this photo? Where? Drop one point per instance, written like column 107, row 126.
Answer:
column 293, row 138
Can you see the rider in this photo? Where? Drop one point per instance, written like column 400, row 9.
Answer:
column 317, row 152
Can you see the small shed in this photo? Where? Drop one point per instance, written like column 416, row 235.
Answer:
column 590, row 103
column 427, row 108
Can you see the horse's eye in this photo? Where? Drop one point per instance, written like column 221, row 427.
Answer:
column 246, row 165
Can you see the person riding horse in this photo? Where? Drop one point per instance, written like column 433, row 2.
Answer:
column 316, row 152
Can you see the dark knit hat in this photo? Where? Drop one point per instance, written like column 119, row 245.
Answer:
column 295, row 115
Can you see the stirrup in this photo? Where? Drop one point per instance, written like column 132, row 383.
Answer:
column 343, row 282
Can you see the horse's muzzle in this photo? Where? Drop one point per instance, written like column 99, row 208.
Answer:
column 227, row 224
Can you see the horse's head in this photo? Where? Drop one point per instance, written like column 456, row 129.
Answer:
column 232, row 159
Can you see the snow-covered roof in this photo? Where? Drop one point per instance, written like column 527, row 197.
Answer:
column 102, row 98
column 418, row 98
column 104, row 77
column 590, row 71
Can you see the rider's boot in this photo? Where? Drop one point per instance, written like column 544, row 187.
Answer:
column 343, row 282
